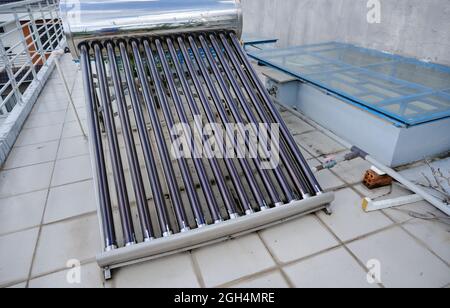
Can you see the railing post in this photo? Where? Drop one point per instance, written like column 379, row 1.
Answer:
column 44, row 20
column 25, row 45
column 53, row 25
column 60, row 24
column 56, row 22
column 3, row 109
column 37, row 37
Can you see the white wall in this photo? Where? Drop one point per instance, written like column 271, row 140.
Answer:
column 415, row 28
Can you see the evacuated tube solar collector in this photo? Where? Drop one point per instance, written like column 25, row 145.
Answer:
column 148, row 65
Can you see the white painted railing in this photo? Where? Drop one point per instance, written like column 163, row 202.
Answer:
column 29, row 32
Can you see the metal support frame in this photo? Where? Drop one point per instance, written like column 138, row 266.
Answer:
column 212, row 234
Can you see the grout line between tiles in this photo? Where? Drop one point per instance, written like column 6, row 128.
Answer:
column 197, row 271
column 62, row 269
column 86, row 263
column 344, row 245
column 31, row 144
column 278, row 264
column 12, row 284
column 273, row 269
column 39, row 190
column 423, row 244
column 43, row 126
column 46, row 203
column 401, row 225
column 27, row 166
column 67, row 219
column 42, row 220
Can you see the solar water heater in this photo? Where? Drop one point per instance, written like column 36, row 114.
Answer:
column 147, row 67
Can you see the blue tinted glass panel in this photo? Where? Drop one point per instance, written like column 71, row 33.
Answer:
column 403, row 89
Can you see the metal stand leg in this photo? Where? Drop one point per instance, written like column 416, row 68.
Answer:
column 107, row 273
column 69, row 95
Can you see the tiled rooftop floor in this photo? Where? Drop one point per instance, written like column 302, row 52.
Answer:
column 48, row 217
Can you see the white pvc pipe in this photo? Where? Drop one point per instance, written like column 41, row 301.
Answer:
column 410, row 185
column 391, row 172
column 370, row 206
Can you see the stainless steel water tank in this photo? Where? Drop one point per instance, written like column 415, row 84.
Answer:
column 88, row 20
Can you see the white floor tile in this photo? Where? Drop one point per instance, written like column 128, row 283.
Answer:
column 404, row 262
column 296, row 125
column 318, row 144
column 24, row 180
column 232, row 260
column 348, row 220
column 43, row 107
column 71, row 147
column 305, row 153
column 90, row 277
column 297, row 239
column 71, row 117
column 45, row 119
column 70, row 200
column 22, row 212
column 267, row 281
column 21, row 285
column 379, row 193
column 31, row 155
column 53, row 93
column 352, row 172
column 326, row 178
column 58, row 243
column 79, row 99
column 72, row 170
column 408, row 212
column 39, row 135
column 332, row 269
column 169, row 272
column 52, row 102
column 15, row 259
column 72, row 129
column 78, row 92
column 435, row 234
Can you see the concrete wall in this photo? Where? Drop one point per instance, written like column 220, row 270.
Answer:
column 414, row 28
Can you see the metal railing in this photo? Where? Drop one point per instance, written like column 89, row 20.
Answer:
column 29, row 32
